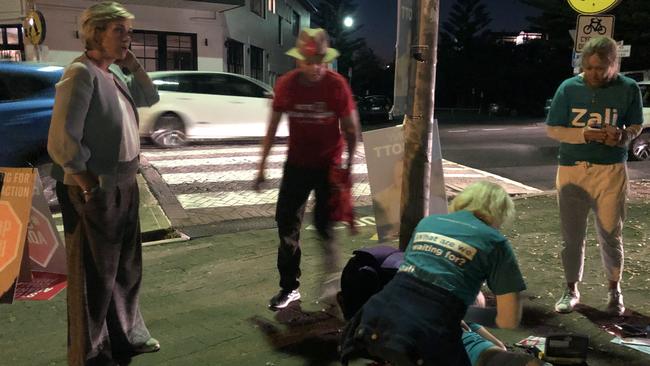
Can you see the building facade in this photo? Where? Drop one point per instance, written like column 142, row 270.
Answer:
column 247, row 37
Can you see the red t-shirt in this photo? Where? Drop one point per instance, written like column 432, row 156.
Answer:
column 315, row 139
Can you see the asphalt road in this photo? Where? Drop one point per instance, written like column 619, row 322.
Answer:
column 516, row 150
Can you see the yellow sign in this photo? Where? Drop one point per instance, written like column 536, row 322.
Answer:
column 34, row 26
column 592, row 6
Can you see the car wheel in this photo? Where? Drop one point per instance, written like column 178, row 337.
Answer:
column 640, row 147
column 169, row 131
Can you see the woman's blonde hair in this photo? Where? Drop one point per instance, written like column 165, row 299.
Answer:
column 486, row 200
column 602, row 46
column 96, row 18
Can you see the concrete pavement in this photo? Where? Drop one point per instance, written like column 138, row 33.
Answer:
column 206, row 299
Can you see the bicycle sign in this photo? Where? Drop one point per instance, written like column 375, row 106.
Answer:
column 588, row 26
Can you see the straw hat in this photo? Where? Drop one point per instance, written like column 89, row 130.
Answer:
column 312, row 45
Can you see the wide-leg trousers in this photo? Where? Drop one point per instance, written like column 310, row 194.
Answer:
column 104, row 256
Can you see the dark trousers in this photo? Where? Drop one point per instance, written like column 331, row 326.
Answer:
column 297, row 184
column 104, row 258
column 408, row 323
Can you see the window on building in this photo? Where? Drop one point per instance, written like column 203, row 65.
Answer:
column 235, row 56
column 165, row 50
column 257, row 7
column 280, row 40
column 179, row 52
column 271, row 6
column 257, row 63
column 295, row 23
column 145, row 48
column 12, row 47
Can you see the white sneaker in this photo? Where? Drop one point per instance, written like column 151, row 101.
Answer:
column 283, row 299
column 615, row 303
column 568, row 301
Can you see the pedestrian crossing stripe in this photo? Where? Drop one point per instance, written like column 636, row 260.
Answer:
column 244, row 198
column 191, row 152
column 232, row 176
column 230, row 160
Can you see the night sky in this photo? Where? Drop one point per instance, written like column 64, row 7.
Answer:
column 379, row 19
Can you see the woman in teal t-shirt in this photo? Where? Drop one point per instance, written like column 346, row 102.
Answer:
column 414, row 319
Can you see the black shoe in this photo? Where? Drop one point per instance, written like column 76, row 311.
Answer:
column 283, row 299
column 151, row 345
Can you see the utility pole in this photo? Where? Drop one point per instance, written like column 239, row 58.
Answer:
column 418, row 120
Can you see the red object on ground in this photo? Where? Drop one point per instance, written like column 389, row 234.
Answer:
column 44, row 286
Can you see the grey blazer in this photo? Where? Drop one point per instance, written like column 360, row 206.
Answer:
column 86, row 127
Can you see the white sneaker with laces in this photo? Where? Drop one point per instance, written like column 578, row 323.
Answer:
column 283, row 299
column 568, row 301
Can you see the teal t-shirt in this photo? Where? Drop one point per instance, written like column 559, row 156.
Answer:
column 459, row 252
column 577, row 105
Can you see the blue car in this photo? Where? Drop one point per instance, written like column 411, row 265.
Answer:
column 26, row 100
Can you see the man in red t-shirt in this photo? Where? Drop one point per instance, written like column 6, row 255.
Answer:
column 322, row 114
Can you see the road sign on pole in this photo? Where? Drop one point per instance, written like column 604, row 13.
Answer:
column 593, row 6
column 588, row 26
column 624, row 50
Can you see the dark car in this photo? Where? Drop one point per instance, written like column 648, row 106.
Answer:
column 374, row 108
column 26, row 100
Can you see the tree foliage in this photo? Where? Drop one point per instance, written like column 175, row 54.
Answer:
column 330, row 16
column 462, row 39
column 468, row 21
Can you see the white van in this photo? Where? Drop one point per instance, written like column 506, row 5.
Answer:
column 640, row 75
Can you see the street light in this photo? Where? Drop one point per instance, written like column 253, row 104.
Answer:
column 348, row 21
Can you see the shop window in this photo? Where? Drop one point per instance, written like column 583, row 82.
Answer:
column 165, row 50
column 295, row 23
column 12, row 47
column 257, row 63
column 235, row 57
column 257, row 7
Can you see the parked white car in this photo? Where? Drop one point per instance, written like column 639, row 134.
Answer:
column 198, row 105
column 640, row 147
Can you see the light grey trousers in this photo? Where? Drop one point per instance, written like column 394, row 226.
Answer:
column 602, row 189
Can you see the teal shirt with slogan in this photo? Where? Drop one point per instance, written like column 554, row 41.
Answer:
column 576, row 105
column 459, row 252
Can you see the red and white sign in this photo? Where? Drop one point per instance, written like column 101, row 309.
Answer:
column 10, row 234
column 32, row 255
column 42, row 239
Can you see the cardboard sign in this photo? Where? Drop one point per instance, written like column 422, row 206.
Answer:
column 15, row 206
column 32, row 255
column 384, row 150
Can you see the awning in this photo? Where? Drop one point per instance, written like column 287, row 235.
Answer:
column 213, row 5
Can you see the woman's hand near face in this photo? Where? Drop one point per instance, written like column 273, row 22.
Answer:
column 130, row 61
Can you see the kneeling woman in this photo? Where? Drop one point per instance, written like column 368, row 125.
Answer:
column 414, row 319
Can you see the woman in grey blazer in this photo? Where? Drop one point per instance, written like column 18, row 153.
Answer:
column 94, row 144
